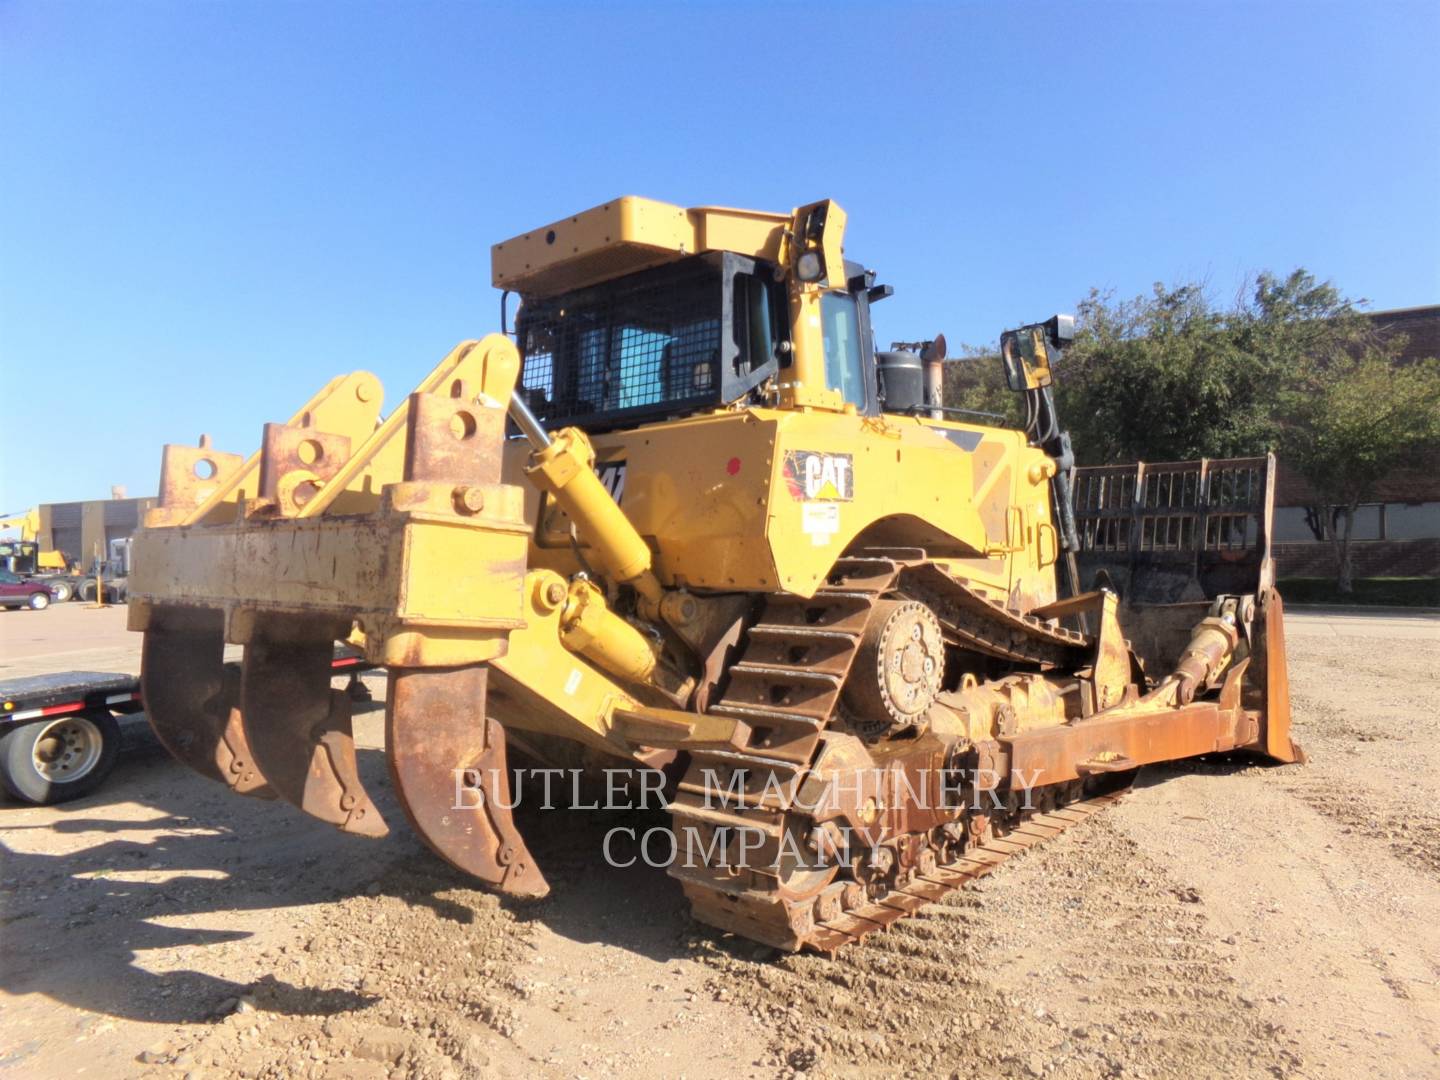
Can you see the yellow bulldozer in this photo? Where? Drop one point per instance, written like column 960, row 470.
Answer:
column 683, row 518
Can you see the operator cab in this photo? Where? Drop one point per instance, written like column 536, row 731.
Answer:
column 701, row 333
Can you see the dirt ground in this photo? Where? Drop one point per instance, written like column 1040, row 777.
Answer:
column 1226, row 919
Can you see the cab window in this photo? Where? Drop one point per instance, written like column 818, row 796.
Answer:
column 844, row 360
column 755, row 321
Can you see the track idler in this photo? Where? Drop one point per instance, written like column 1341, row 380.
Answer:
column 448, row 763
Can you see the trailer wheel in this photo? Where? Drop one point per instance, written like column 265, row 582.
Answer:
column 87, row 592
column 62, row 591
column 53, row 760
column 39, row 601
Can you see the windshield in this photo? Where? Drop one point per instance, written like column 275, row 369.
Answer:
column 844, row 359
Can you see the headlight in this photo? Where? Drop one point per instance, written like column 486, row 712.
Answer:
column 809, row 266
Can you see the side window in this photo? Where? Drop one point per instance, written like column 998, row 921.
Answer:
column 755, row 321
column 844, row 359
column 7, row 578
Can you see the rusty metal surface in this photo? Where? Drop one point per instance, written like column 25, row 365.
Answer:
column 198, row 484
column 977, row 862
column 286, row 586
column 298, row 728
column 189, row 475
column 449, row 765
column 1067, row 751
column 975, row 622
column 449, row 438
column 192, row 699
column 296, row 462
column 900, row 664
column 827, row 928
column 236, row 760
column 1274, row 678
column 182, row 681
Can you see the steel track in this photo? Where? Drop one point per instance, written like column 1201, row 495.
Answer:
column 786, row 687
column 856, row 924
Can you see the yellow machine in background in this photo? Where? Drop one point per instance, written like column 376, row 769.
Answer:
column 688, row 519
column 31, row 559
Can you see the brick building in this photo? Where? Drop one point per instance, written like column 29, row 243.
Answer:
column 1398, row 533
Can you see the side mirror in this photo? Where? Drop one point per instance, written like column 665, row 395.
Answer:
column 1027, row 361
column 1026, row 352
column 1010, row 358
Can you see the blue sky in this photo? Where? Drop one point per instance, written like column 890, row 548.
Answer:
column 207, row 209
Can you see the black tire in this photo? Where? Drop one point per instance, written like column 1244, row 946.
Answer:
column 87, row 592
column 59, row 758
column 38, row 601
column 63, row 591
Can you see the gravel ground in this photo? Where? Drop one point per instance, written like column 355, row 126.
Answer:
column 1226, row 919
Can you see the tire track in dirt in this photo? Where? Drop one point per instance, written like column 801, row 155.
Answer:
column 1083, row 959
column 1365, row 707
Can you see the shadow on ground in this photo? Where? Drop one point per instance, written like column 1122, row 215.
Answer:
column 80, row 925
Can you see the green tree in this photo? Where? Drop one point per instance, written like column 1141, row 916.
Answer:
column 1291, row 365
column 1174, row 375
column 1351, row 420
column 1153, row 378
column 976, row 381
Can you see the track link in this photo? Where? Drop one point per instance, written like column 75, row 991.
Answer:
column 855, row 924
column 786, row 689
column 988, row 626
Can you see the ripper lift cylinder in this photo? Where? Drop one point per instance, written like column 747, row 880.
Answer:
column 563, row 466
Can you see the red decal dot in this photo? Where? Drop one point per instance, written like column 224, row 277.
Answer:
column 732, row 466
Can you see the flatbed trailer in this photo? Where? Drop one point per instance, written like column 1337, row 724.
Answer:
column 60, row 734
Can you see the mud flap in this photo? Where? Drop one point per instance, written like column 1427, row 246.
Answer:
column 192, row 699
column 299, row 730
column 449, row 766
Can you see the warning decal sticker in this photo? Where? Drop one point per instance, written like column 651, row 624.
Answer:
column 812, row 476
column 820, row 521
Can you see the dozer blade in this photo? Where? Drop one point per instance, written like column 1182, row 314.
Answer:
column 1172, row 537
column 1274, row 675
column 299, row 729
column 192, row 699
column 448, row 763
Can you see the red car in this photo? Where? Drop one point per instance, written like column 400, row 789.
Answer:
column 16, row 591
